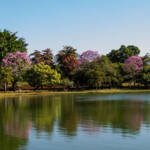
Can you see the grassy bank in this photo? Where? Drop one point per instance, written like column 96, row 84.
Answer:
column 105, row 91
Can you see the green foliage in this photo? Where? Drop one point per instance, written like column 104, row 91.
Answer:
column 88, row 70
column 146, row 59
column 6, row 76
column 40, row 75
column 67, row 83
column 112, row 74
column 121, row 54
column 145, row 76
column 18, row 62
column 99, row 73
column 95, row 77
column 89, row 74
column 9, row 42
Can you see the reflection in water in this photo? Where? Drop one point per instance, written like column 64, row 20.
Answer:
column 70, row 114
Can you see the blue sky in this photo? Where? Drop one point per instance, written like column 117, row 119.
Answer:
column 85, row 24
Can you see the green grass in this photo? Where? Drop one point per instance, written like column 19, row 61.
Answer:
column 44, row 92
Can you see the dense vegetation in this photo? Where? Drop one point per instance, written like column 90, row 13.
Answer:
column 120, row 68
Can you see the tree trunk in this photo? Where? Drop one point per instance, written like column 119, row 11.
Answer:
column 134, row 81
column 5, row 86
column 14, row 85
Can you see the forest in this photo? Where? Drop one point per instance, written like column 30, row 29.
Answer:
column 120, row 68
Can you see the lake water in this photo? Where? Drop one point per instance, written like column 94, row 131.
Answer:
column 75, row 122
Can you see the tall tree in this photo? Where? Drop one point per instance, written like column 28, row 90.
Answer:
column 98, row 73
column 48, row 57
column 145, row 76
column 36, row 57
column 123, row 53
column 146, row 59
column 133, row 66
column 112, row 74
column 18, row 62
column 9, row 42
column 67, row 60
column 44, row 56
column 6, row 77
column 89, row 75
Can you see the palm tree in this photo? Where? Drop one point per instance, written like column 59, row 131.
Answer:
column 67, row 60
column 48, row 57
column 36, row 57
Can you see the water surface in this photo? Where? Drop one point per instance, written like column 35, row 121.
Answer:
column 75, row 122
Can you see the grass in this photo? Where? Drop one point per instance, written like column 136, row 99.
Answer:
column 44, row 92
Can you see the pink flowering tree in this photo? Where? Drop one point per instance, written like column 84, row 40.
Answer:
column 133, row 66
column 18, row 62
column 88, row 56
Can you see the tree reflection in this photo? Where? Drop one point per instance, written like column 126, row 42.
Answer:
column 20, row 115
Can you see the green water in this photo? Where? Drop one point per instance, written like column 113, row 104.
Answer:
column 75, row 122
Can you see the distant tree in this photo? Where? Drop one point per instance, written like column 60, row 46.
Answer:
column 66, row 83
column 145, row 76
column 48, row 57
column 98, row 74
column 146, row 59
column 67, row 61
column 133, row 66
column 44, row 56
column 9, row 42
column 95, row 77
column 6, row 77
column 89, row 75
column 41, row 75
column 18, row 62
column 36, row 57
column 111, row 71
column 121, row 54
column 88, row 56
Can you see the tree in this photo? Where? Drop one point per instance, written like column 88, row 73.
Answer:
column 100, row 73
column 95, row 77
column 40, row 75
column 18, row 62
column 112, row 72
column 133, row 66
column 66, row 83
column 48, row 57
column 121, row 54
column 36, row 57
column 9, row 42
column 6, row 76
column 44, row 56
column 67, row 60
column 89, row 75
column 88, row 56
column 146, row 59
column 145, row 76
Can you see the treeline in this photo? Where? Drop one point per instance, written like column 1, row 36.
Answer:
column 123, row 67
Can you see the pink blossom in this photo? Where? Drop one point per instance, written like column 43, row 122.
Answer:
column 133, row 64
column 12, row 59
column 88, row 56
column 18, row 61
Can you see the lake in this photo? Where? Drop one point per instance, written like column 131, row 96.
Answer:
column 75, row 122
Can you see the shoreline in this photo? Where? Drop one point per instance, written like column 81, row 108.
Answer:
column 46, row 92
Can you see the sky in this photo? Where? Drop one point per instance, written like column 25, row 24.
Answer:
column 100, row 25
